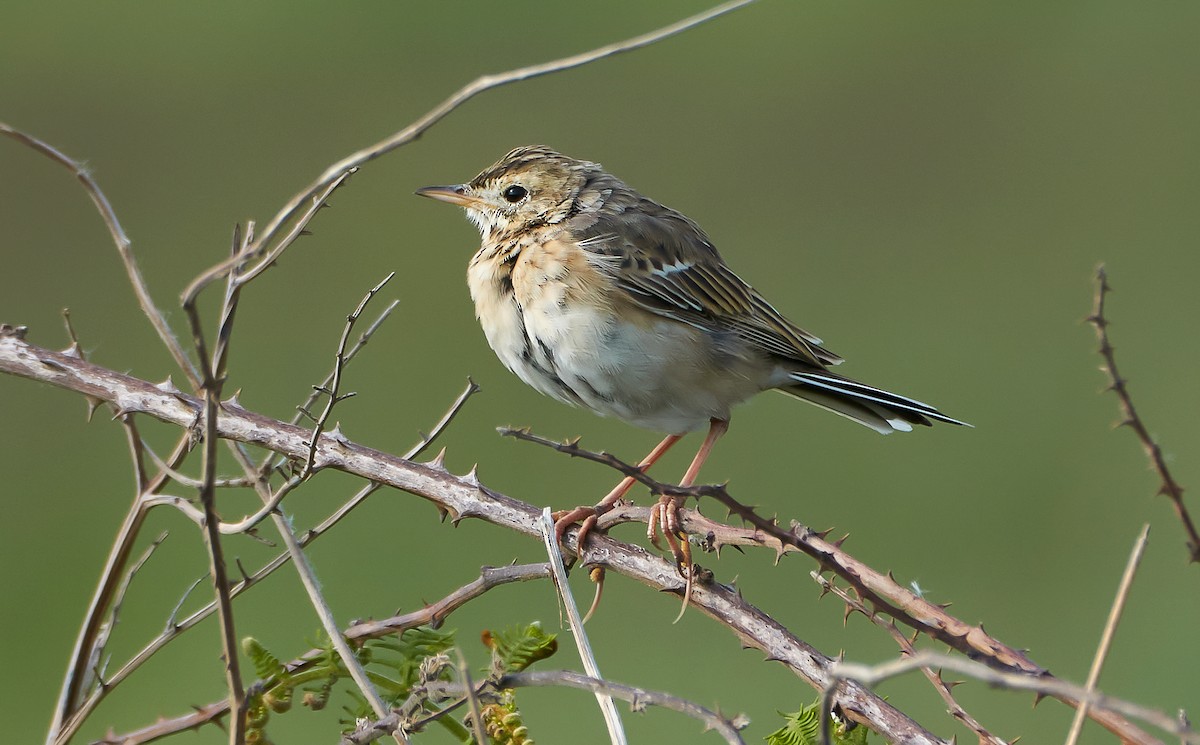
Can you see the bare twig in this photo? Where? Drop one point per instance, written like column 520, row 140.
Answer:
column 70, row 712
column 334, row 387
column 157, row 319
column 956, row 710
column 1110, row 630
column 638, row 698
column 1168, row 486
column 416, row 129
column 431, row 615
column 173, row 628
column 105, row 632
column 612, row 718
column 872, row 675
column 211, row 386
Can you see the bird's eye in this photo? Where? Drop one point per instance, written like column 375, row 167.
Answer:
column 515, row 193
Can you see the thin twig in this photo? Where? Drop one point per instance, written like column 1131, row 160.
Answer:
column 612, row 718
column 431, row 615
column 472, row 696
column 308, row 578
column 639, row 698
column 1110, row 630
column 1168, row 486
column 114, row 617
column 157, row 319
column 935, row 678
column 211, row 386
column 873, row 675
column 70, row 712
column 174, row 629
column 333, row 389
column 417, row 128
column 428, row 439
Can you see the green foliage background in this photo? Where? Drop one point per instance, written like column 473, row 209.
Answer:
column 928, row 186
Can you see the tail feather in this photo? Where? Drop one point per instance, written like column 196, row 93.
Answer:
column 881, row 410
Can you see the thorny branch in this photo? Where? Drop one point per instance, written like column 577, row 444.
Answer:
column 174, row 628
column 854, row 605
column 465, row 496
column 1167, row 484
column 874, row 675
column 877, row 588
column 266, row 250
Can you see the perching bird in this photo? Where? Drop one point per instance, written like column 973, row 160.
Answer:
column 600, row 297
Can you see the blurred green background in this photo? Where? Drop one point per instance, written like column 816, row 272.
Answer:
column 927, row 186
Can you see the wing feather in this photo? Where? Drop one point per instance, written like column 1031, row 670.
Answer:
column 665, row 264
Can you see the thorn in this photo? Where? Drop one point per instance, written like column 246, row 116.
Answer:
column 472, row 476
column 838, row 543
column 93, row 403
column 73, row 351
column 232, row 402
column 337, row 435
column 439, row 461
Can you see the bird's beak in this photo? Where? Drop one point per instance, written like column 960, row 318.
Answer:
column 452, row 194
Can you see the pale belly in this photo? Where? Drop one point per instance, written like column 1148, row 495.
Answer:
column 658, row 373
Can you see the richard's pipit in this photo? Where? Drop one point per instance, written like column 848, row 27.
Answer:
column 602, row 298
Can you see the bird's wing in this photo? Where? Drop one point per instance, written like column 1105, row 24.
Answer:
column 665, row 264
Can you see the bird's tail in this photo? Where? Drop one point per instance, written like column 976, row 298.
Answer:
column 878, row 409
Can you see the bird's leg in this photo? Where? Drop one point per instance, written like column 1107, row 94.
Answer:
column 665, row 514
column 588, row 515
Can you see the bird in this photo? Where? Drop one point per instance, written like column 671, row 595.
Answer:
column 605, row 299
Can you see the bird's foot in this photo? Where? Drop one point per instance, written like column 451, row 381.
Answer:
column 585, row 517
column 664, row 516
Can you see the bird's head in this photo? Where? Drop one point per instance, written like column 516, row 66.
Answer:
column 530, row 186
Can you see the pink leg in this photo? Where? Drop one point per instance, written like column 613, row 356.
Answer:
column 666, row 513
column 589, row 514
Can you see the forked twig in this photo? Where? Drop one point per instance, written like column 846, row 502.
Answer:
column 1168, row 486
column 431, row 615
column 157, row 319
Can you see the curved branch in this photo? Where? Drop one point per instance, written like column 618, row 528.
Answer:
column 340, row 169
column 462, row 497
